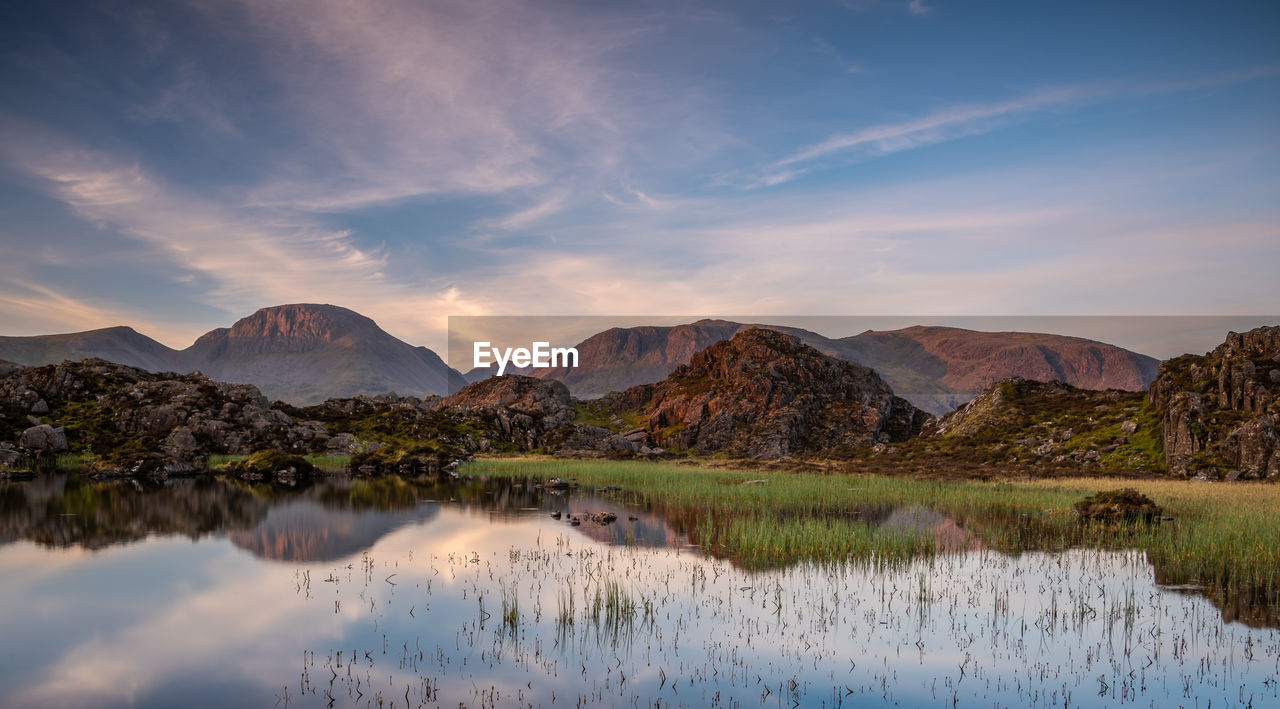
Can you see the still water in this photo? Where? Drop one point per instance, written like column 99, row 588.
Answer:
column 389, row 593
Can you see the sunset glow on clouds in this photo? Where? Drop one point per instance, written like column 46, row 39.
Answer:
column 175, row 166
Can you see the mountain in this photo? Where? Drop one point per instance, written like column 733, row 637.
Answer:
column 935, row 368
column 619, row 358
column 301, row 353
column 949, row 365
column 122, row 345
column 307, row 353
column 765, row 394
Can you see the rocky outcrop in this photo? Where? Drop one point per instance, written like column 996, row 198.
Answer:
column 1025, row 422
column 135, row 422
column 1218, row 411
column 515, row 409
column 764, row 394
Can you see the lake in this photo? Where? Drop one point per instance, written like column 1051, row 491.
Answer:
column 390, row 592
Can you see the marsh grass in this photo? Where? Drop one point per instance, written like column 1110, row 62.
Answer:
column 1223, row 537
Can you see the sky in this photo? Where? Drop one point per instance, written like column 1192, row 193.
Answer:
column 176, row 165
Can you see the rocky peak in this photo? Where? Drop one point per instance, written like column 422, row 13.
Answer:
column 302, row 323
column 764, row 394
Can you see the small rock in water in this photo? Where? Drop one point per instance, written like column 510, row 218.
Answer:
column 1123, row 504
column 601, row 518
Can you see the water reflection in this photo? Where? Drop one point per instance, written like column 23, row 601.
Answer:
column 430, row 593
column 323, row 520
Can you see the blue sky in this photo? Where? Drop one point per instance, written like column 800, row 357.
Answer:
column 176, row 165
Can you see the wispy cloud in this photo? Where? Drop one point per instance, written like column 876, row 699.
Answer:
column 252, row 255
column 917, row 7
column 961, row 120
column 532, row 214
column 945, row 124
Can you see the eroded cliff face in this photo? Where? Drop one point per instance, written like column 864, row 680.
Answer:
column 1219, row 411
column 764, row 394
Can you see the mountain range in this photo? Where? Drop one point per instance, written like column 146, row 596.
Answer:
column 300, row 353
column 306, row 353
column 935, row 368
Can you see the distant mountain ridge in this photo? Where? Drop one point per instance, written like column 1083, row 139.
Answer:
column 305, row 353
column 935, row 368
column 964, row 362
column 300, row 353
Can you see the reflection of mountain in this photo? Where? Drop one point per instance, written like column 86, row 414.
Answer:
column 60, row 511
column 947, row 534
column 320, row 522
column 303, row 530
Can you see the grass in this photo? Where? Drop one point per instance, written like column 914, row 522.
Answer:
column 1224, row 537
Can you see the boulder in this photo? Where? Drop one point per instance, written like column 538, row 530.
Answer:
column 44, row 439
column 181, row 442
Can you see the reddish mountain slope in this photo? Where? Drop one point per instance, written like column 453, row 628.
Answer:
column 967, row 361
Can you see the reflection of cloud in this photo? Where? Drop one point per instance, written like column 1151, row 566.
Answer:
column 170, row 616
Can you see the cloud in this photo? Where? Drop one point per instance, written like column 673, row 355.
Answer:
column 529, row 215
column 396, row 100
column 961, row 120
column 946, row 124
column 252, row 256
column 917, row 7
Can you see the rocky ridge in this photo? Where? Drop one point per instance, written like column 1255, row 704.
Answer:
column 1218, row 411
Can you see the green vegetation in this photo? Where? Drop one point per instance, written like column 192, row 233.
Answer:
column 323, row 463
column 1025, row 422
column 1223, row 537
column 596, row 413
column 269, row 462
